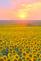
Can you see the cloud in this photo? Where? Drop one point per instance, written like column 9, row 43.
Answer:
column 32, row 9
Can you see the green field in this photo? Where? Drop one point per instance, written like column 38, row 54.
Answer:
column 20, row 43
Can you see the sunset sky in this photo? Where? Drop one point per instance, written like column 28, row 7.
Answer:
column 20, row 9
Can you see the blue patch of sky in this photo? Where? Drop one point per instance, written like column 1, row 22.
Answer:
column 5, row 3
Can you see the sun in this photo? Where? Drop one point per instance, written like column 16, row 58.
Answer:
column 22, row 14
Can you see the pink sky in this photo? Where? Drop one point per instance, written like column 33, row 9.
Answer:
column 10, row 10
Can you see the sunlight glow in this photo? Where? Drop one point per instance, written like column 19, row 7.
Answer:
column 25, row 10
column 22, row 14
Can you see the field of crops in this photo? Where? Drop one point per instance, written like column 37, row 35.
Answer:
column 20, row 43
